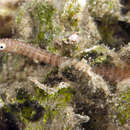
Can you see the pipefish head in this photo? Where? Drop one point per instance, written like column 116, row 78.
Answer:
column 3, row 47
column 6, row 45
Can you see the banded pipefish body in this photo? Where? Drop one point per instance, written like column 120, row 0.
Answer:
column 41, row 55
column 109, row 73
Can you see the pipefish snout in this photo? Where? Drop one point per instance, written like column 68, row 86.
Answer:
column 109, row 73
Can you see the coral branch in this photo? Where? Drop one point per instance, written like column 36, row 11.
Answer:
column 46, row 88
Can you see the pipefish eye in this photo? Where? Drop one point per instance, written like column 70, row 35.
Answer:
column 2, row 46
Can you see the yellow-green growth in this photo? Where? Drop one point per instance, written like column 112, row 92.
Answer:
column 70, row 14
column 45, row 15
column 97, row 55
column 123, row 110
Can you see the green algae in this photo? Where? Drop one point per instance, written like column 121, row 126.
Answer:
column 19, row 16
column 123, row 109
column 62, row 97
column 70, row 14
column 44, row 13
column 22, row 96
column 25, row 108
column 96, row 56
column 29, row 109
